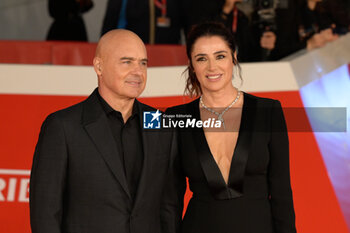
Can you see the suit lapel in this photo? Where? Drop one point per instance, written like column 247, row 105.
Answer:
column 97, row 127
column 150, row 140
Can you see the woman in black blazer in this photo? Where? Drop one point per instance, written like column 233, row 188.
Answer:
column 238, row 173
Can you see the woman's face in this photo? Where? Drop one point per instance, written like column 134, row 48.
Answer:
column 212, row 63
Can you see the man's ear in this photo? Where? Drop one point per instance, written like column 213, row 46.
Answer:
column 97, row 65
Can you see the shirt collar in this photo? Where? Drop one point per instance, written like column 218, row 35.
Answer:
column 108, row 109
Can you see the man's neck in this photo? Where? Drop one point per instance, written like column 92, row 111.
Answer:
column 120, row 104
column 123, row 106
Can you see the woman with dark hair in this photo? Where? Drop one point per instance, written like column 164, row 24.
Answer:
column 239, row 171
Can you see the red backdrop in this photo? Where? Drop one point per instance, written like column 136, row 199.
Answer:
column 317, row 209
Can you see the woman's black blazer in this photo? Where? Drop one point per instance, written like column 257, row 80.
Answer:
column 258, row 196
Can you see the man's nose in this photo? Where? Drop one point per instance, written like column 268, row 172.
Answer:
column 139, row 68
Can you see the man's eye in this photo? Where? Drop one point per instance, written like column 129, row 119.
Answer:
column 126, row 62
column 144, row 63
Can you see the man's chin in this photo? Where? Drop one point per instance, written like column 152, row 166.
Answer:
column 134, row 94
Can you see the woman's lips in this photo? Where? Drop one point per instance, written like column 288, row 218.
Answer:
column 213, row 77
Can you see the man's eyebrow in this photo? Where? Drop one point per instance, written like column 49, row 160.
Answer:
column 128, row 58
column 133, row 59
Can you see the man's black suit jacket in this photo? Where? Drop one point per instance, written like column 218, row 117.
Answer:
column 78, row 184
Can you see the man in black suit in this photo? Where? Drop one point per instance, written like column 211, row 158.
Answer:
column 95, row 169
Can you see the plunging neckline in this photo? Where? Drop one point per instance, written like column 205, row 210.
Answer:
column 234, row 187
column 234, row 150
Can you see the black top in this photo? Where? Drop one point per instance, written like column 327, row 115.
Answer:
column 128, row 139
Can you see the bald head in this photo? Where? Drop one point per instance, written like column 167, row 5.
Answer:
column 116, row 38
column 121, row 65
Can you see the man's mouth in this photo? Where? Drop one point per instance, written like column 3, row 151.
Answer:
column 134, row 81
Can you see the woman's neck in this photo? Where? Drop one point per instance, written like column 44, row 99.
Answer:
column 219, row 99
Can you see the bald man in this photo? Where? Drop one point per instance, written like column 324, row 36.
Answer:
column 95, row 169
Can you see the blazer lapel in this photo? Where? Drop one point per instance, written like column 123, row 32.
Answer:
column 97, row 127
column 243, row 147
column 150, row 140
column 211, row 171
column 218, row 187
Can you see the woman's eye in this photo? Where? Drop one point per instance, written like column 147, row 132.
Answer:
column 220, row 56
column 200, row 59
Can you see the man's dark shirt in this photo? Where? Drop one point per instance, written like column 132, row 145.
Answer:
column 129, row 142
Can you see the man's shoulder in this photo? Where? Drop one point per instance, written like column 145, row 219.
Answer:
column 145, row 107
column 69, row 113
column 73, row 112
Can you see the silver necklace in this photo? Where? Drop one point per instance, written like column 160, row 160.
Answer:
column 220, row 115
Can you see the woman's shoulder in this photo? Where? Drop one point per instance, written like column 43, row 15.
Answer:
column 261, row 101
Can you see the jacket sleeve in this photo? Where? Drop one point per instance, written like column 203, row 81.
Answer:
column 278, row 175
column 173, row 193
column 47, row 180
